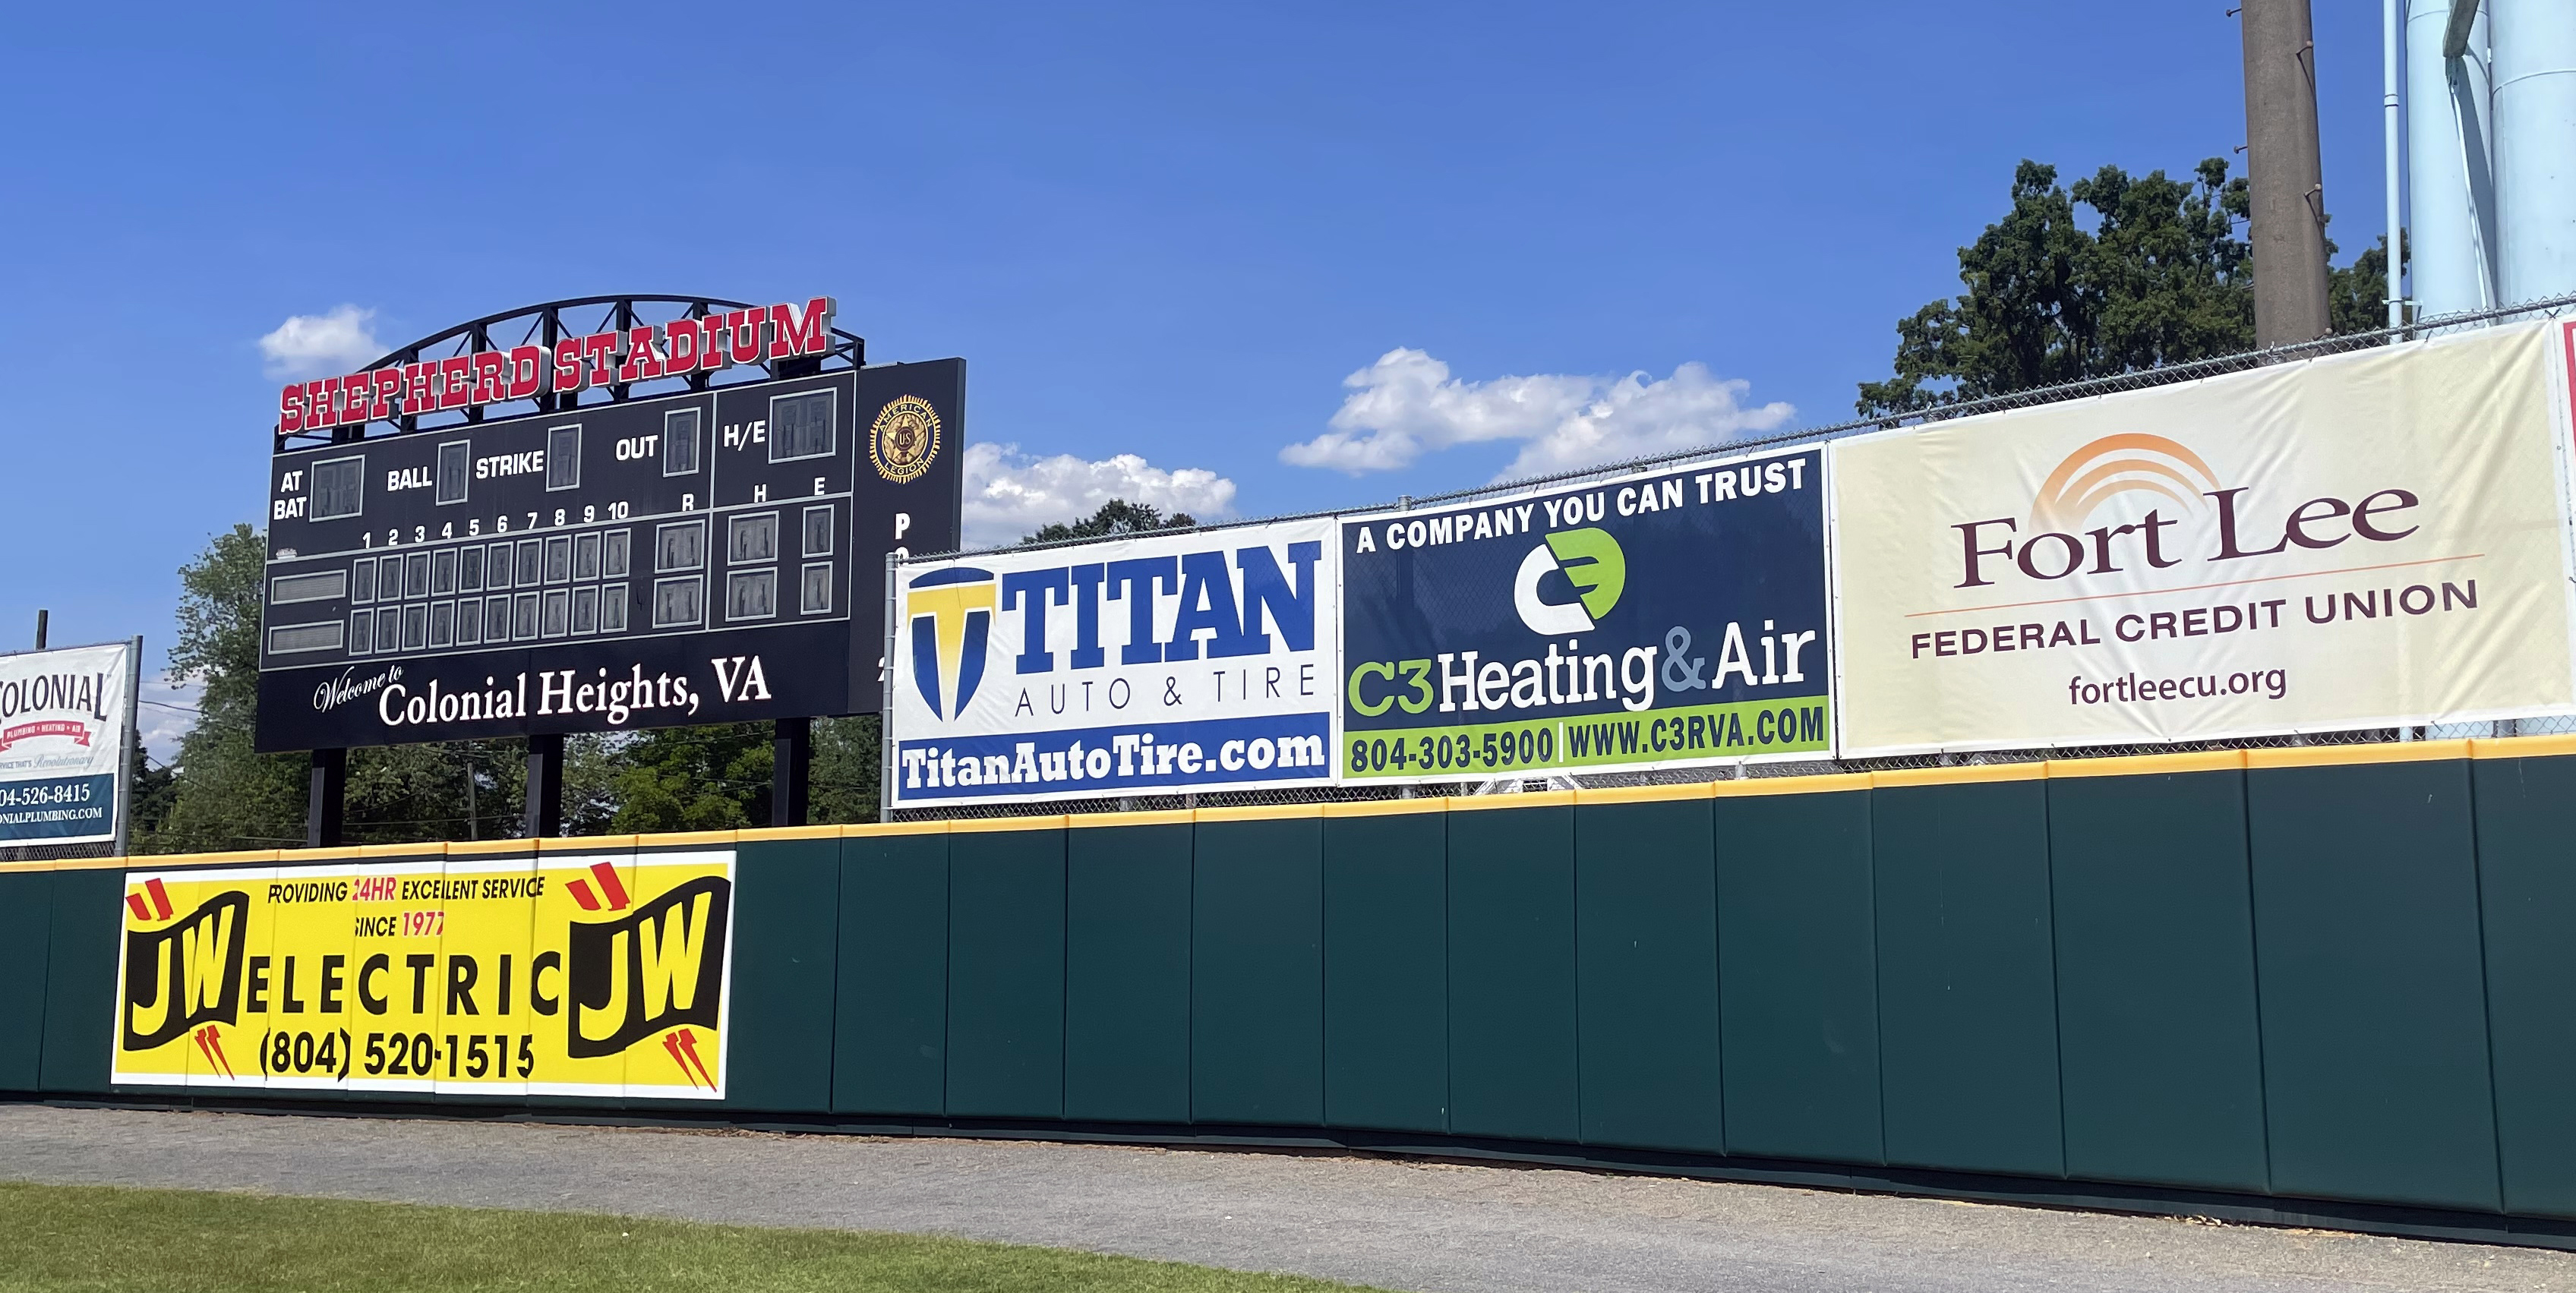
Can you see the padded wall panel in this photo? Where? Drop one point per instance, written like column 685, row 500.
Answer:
column 786, row 916
column 2527, row 877
column 1257, row 977
column 1645, row 910
column 2374, row 1013
column 1006, row 973
column 80, row 981
column 890, row 1042
column 1512, row 1069
column 1386, row 984
column 1127, row 973
column 2160, row 1036
column 1967, row 977
column 1797, row 976
column 26, row 937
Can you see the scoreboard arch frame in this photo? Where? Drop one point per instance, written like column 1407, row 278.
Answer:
column 544, row 324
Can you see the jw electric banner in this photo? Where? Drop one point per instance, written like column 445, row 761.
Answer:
column 64, row 720
column 1183, row 662
column 2360, row 541
column 705, row 557
column 562, row 974
column 1646, row 621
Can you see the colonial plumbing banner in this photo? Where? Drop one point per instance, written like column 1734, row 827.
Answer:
column 2360, row 541
column 1644, row 621
column 1199, row 661
column 63, row 716
column 570, row 974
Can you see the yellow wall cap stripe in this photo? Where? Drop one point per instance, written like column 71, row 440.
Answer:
column 427, row 850
column 487, row 848
column 2134, row 765
column 1259, row 812
column 1526, row 799
column 1818, row 784
column 750, row 833
column 2520, row 747
column 1387, row 807
column 1643, row 794
column 586, row 843
column 2323, row 756
column 1964, row 774
column 864, row 830
column 977, row 825
column 1155, row 817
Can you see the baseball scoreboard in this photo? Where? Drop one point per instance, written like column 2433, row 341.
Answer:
column 705, row 556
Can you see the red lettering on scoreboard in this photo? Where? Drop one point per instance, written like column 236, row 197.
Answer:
column 761, row 334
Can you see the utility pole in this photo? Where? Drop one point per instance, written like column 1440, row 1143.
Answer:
column 2284, row 174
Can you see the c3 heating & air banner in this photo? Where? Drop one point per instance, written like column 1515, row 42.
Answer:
column 566, row 974
column 2367, row 540
column 1654, row 620
column 65, row 718
column 1157, row 663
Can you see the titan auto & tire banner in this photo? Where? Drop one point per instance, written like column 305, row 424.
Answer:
column 2367, row 540
column 564, row 974
column 1157, row 663
column 1655, row 620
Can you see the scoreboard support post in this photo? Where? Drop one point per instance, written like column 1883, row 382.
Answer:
column 793, row 764
column 326, row 799
column 545, row 785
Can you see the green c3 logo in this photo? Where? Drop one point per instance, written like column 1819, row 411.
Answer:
column 1591, row 561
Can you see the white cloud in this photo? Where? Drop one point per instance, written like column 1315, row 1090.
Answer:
column 310, row 344
column 1406, row 405
column 1010, row 494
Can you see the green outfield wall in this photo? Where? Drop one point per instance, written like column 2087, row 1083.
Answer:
column 2336, row 979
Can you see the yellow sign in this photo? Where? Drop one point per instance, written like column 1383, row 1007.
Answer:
column 573, row 974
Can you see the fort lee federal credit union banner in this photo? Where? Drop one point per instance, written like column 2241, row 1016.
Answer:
column 568, row 974
column 2366, row 540
column 1648, row 620
column 1185, row 662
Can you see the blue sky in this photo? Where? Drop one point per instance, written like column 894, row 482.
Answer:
column 1171, row 232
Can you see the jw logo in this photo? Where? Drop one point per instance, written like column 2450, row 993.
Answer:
column 952, row 623
column 185, row 976
column 661, row 967
column 1568, row 583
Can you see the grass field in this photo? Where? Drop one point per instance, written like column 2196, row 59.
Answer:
column 181, row 1241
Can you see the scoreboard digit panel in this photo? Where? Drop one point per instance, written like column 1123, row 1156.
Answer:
column 700, row 557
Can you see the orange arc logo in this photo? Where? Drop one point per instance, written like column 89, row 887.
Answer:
column 2109, row 467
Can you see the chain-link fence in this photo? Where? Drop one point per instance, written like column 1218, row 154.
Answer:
column 1560, row 780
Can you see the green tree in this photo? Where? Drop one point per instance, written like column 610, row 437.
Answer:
column 224, row 795
column 713, row 778
column 1117, row 516
column 2357, row 294
column 844, row 783
column 152, row 787
column 710, row 778
column 2151, row 273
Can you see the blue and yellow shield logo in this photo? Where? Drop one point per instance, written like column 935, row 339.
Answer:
column 951, row 614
